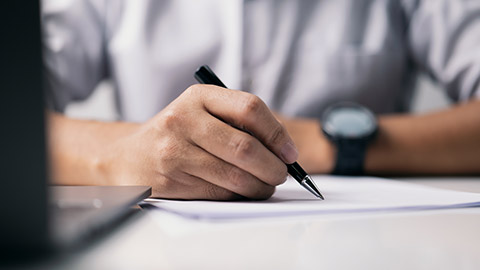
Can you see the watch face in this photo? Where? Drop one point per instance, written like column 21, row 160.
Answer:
column 349, row 121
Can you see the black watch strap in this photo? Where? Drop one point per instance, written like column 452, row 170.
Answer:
column 350, row 157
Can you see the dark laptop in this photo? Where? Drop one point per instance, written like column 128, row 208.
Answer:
column 35, row 217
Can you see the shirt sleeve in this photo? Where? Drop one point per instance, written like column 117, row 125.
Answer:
column 73, row 49
column 444, row 37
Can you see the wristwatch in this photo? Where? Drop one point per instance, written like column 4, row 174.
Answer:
column 351, row 128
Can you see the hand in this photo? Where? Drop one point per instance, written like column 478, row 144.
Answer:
column 187, row 152
column 316, row 153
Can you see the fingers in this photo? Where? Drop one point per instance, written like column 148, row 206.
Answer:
column 239, row 149
column 203, row 157
column 192, row 188
column 220, row 173
column 248, row 112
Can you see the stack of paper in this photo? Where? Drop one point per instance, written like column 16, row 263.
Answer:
column 342, row 195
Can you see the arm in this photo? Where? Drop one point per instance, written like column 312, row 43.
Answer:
column 443, row 41
column 444, row 142
column 184, row 151
column 78, row 149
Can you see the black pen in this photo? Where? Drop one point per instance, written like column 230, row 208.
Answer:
column 205, row 75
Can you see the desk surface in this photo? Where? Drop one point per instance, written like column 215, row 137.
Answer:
column 437, row 239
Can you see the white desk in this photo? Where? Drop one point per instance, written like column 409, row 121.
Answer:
column 437, row 239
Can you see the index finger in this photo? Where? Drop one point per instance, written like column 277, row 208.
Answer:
column 249, row 112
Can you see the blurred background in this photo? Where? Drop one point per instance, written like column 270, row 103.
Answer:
column 101, row 105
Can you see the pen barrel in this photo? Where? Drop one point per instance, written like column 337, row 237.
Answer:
column 296, row 171
column 206, row 76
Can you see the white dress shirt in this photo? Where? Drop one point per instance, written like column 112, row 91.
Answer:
column 298, row 56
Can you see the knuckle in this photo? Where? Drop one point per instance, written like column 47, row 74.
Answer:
column 169, row 157
column 276, row 135
column 242, row 147
column 171, row 119
column 206, row 129
column 237, row 178
column 192, row 89
column 214, row 192
column 252, row 105
column 211, row 191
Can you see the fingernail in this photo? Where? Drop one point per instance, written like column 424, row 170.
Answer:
column 289, row 153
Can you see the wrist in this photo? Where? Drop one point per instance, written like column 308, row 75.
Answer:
column 108, row 163
column 351, row 128
column 317, row 154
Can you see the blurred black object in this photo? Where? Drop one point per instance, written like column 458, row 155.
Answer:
column 23, row 191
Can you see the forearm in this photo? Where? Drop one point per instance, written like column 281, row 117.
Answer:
column 78, row 148
column 445, row 142
column 183, row 152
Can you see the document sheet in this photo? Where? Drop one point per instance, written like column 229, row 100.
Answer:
column 342, row 195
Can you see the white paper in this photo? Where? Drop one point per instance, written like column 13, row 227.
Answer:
column 342, row 195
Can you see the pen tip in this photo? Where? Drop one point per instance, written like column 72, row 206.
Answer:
column 308, row 183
